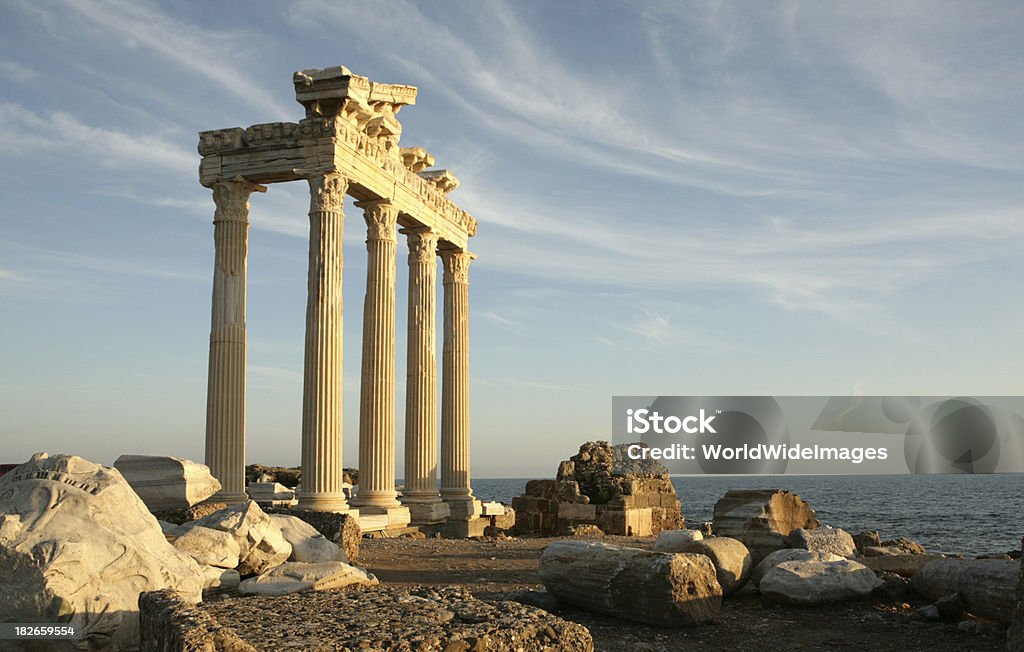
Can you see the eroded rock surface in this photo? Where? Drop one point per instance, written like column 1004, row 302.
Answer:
column 761, row 518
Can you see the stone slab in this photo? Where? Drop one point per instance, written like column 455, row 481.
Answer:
column 165, row 483
column 428, row 513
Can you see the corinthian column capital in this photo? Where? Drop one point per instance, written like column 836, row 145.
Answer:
column 381, row 219
column 327, row 192
column 422, row 245
column 456, row 265
column 231, row 198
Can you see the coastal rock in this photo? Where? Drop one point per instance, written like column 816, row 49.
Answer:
column 308, row 545
column 809, row 583
column 673, row 540
column 987, row 586
column 425, row 619
column 294, row 576
column 209, row 547
column 77, row 546
column 261, row 544
column 904, row 545
column 901, row 564
column 1015, row 635
column 667, row 590
column 823, row 539
column 866, row 538
column 730, row 557
column 761, row 518
column 167, row 482
column 787, row 554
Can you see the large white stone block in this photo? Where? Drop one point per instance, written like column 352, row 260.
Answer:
column 308, row 545
column 167, row 482
column 77, row 546
column 295, row 576
column 261, row 544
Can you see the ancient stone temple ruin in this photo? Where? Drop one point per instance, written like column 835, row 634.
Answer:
column 348, row 144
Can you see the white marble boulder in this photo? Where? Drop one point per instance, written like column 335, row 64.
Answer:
column 261, row 544
column 78, row 546
column 166, row 483
column 674, row 540
column 209, row 547
column 787, row 554
column 809, row 583
column 308, row 545
column 294, row 576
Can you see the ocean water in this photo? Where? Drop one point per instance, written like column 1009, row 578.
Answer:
column 966, row 514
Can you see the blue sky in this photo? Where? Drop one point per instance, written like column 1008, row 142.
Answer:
column 674, row 198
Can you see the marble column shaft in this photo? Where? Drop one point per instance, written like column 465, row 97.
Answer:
column 421, row 371
column 225, row 394
column 322, row 382
column 377, row 387
column 455, row 485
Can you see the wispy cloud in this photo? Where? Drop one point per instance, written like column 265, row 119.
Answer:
column 25, row 131
column 17, row 72
column 214, row 55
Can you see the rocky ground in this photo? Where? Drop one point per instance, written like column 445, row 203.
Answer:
column 498, row 568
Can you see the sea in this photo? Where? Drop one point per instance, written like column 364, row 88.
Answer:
column 969, row 514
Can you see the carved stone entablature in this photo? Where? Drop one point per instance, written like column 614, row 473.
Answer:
column 333, row 91
column 443, row 180
column 416, row 158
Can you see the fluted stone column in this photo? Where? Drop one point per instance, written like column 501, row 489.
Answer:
column 455, row 486
column 420, row 493
column 225, row 393
column 377, row 386
column 322, row 383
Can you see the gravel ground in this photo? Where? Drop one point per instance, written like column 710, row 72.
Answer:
column 497, row 568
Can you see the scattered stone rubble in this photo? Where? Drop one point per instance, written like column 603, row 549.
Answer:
column 602, row 487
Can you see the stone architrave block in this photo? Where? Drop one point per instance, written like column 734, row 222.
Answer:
column 166, row 483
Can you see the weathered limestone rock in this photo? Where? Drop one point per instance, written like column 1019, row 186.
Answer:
column 167, row 482
column 730, row 557
column 901, row 564
column 761, row 518
column 193, row 513
column 1015, row 635
column 601, row 486
column 261, row 544
column 787, row 554
column 215, row 577
column 308, row 545
column 673, row 540
column 342, row 529
column 823, row 539
column 438, row 619
column 668, row 590
column 293, row 576
column 987, row 586
column 209, row 547
column 818, row 582
column 77, row 546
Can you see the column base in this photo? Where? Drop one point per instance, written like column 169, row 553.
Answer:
column 428, row 513
column 325, row 503
column 464, row 510
column 376, row 499
column 228, row 499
